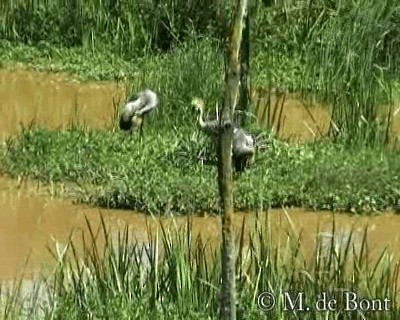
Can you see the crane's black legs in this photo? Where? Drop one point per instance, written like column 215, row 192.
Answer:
column 141, row 131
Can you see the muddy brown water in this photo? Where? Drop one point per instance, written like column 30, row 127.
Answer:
column 295, row 119
column 32, row 220
column 49, row 100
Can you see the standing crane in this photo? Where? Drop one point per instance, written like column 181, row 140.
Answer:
column 243, row 149
column 243, row 144
column 137, row 107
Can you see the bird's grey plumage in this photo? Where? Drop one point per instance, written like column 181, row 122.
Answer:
column 243, row 149
column 243, row 144
column 138, row 106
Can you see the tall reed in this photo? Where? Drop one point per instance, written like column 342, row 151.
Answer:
column 176, row 274
column 129, row 28
column 350, row 61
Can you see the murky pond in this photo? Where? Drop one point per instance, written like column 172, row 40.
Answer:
column 48, row 99
column 27, row 97
column 31, row 220
column 295, row 119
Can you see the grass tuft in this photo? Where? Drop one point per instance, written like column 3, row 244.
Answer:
column 176, row 274
column 168, row 175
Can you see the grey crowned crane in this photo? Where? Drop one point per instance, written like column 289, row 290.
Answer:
column 137, row 107
column 243, row 144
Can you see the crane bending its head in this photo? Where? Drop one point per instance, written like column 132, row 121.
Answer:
column 134, row 111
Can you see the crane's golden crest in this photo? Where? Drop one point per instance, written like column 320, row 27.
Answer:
column 198, row 103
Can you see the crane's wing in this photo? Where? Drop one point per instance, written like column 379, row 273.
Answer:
column 210, row 127
column 150, row 101
column 249, row 140
column 132, row 107
column 243, row 144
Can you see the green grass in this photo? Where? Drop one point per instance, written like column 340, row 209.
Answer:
column 354, row 68
column 76, row 62
column 155, row 178
column 165, row 174
column 177, row 276
column 100, row 65
column 128, row 28
column 294, row 45
column 297, row 46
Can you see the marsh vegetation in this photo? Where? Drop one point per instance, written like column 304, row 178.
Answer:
column 342, row 54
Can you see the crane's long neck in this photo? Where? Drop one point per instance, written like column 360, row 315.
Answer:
column 202, row 123
column 130, row 109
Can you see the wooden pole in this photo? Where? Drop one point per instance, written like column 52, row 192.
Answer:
column 225, row 182
column 244, row 70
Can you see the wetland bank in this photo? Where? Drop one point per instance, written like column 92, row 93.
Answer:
column 32, row 222
column 63, row 159
column 35, row 218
